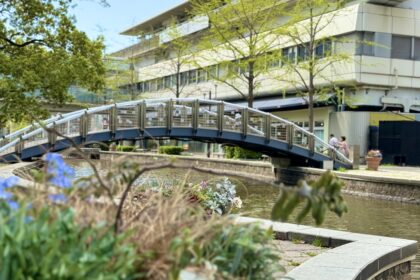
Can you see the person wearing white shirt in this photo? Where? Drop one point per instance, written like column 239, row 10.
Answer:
column 334, row 141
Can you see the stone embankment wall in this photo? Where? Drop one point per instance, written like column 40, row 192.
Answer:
column 404, row 190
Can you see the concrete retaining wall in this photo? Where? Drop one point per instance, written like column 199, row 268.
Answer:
column 404, row 190
column 354, row 256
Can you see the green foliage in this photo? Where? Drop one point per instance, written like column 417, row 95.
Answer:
column 170, row 150
column 251, row 28
column 317, row 242
column 242, row 251
column 342, row 169
column 241, row 153
column 42, row 54
column 229, row 151
column 126, row 148
column 317, row 196
column 53, row 246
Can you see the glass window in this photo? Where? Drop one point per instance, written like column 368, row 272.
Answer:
column 366, row 44
column 323, row 48
column 302, row 52
column 201, row 76
column 272, row 61
column 288, row 54
column 160, row 83
column 146, row 86
column 213, row 72
column 417, row 48
column 192, row 77
column 168, row 81
column 153, row 85
column 140, row 86
column 184, row 78
column 401, row 47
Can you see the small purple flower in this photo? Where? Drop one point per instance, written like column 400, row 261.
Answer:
column 59, row 172
column 203, row 184
column 58, row 198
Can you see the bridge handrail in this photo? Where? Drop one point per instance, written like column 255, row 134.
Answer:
column 60, row 119
column 21, row 131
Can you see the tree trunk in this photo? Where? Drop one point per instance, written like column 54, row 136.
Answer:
column 177, row 83
column 251, row 88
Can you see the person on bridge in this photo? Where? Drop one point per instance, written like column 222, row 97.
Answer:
column 344, row 147
column 334, row 142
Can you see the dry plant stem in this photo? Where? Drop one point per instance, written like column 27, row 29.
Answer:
column 118, row 217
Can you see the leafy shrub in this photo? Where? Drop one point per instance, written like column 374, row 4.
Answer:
column 241, row 153
column 229, row 151
column 52, row 245
column 126, row 148
column 170, row 150
column 237, row 251
column 219, row 197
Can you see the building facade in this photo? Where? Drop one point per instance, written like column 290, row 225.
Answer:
column 382, row 37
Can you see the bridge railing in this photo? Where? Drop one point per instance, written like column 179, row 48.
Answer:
column 170, row 113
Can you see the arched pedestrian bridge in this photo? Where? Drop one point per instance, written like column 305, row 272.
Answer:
column 195, row 119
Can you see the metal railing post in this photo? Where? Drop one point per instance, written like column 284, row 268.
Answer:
column 311, row 144
column 52, row 136
column 141, row 115
column 83, row 125
column 113, row 117
column 289, row 135
column 244, row 122
column 267, row 128
column 220, row 117
column 19, row 146
column 195, row 114
column 169, row 112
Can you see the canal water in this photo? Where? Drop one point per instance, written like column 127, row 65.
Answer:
column 369, row 216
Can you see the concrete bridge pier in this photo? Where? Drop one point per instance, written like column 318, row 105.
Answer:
column 279, row 163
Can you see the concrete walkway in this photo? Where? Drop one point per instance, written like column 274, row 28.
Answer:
column 392, row 172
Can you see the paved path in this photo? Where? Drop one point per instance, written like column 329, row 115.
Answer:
column 295, row 253
column 392, row 172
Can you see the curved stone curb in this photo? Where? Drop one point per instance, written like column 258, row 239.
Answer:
column 354, row 257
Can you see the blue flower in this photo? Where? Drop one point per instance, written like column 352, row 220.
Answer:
column 8, row 182
column 59, row 172
column 7, row 196
column 58, row 198
column 12, row 204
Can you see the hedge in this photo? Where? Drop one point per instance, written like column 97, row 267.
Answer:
column 126, row 148
column 241, row 153
column 170, row 150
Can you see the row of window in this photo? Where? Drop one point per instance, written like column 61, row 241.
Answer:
column 197, row 76
column 367, row 43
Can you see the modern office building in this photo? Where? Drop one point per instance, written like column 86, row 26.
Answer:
column 382, row 76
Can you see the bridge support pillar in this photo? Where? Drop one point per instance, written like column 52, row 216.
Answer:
column 279, row 163
column 355, row 156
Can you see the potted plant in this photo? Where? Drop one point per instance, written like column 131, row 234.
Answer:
column 373, row 159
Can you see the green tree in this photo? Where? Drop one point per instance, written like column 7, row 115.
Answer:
column 307, row 65
column 41, row 54
column 240, row 37
column 177, row 49
column 120, row 73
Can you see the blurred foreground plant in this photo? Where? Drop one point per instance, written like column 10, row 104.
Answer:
column 317, row 196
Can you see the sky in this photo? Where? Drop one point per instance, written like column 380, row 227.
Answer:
column 95, row 19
